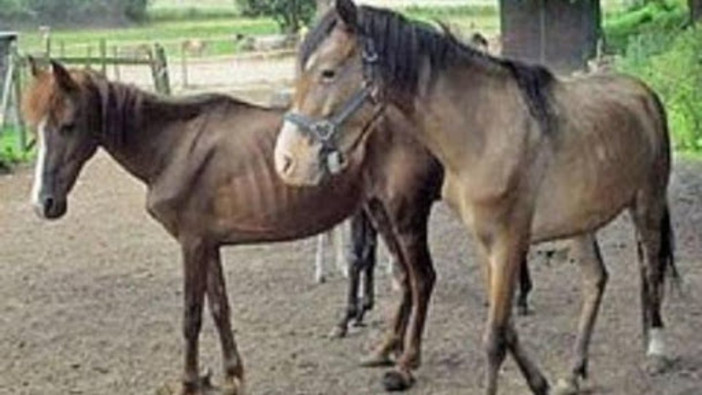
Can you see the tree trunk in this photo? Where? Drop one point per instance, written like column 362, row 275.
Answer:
column 695, row 10
column 559, row 34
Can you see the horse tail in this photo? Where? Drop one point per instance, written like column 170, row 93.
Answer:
column 667, row 252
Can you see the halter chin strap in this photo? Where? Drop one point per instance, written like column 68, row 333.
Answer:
column 325, row 130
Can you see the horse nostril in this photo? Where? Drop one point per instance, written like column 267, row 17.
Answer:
column 48, row 202
column 287, row 163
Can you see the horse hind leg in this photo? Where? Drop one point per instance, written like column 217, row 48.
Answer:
column 360, row 264
column 369, row 262
column 525, row 287
column 652, row 220
column 594, row 280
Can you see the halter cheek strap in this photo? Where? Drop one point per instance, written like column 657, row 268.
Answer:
column 325, row 130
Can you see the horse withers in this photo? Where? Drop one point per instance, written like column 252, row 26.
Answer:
column 527, row 157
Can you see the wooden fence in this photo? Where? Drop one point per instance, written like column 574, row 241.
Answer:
column 11, row 94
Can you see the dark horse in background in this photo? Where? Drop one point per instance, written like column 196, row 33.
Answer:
column 527, row 158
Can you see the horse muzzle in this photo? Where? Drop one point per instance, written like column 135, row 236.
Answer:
column 297, row 158
column 50, row 207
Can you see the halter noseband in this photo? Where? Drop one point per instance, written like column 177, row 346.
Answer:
column 325, row 130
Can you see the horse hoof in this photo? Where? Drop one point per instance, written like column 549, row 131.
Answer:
column 203, row 386
column 234, row 386
column 338, row 332
column 522, row 310
column 376, row 361
column 396, row 380
column 657, row 364
column 567, row 387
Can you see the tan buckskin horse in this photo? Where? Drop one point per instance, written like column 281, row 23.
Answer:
column 207, row 162
column 527, row 158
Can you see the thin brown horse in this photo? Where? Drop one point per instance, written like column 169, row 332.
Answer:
column 527, row 158
column 207, row 162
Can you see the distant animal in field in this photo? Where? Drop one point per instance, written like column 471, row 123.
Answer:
column 194, row 47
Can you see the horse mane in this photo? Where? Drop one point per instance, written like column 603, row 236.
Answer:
column 119, row 106
column 402, row 45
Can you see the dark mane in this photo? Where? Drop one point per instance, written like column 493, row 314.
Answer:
column 121, row 105
column 402, row 46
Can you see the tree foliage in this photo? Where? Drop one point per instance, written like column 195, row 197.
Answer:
column 291, row 15
column 73, row 11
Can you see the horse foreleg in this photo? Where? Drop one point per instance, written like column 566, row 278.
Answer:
column 219, row 308
column 393, row 341
column 195, row 266
column 506, row 247
column 422, row 277
column 594, row 281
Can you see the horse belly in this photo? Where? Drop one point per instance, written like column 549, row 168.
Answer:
column 579, row 199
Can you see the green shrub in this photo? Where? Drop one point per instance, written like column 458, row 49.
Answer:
column 675, row 72
column 658, row 19
column 71, row 12
column 10, row 153
column 290, row 15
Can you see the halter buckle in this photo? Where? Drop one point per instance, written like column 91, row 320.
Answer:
column 323, row 129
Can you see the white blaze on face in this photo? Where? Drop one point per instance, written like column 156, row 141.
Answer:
column 39, row 169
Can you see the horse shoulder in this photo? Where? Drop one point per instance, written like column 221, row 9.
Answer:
column 174, row 186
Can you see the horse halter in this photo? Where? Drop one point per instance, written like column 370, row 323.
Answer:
column 325, row 130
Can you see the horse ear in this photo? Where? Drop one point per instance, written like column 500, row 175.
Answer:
column 33, row 66
column 348, row 12
column 63, row 77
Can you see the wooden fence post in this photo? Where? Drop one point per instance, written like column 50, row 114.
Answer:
column 159, row 69
column 115, row 54
column 103, row 56
column 88, row 56
column 17, row 78
column 184, row 65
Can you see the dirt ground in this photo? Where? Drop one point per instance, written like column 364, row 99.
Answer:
column 91, row 304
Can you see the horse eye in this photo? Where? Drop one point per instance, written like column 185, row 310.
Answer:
column 67, row 127
column 328, row 74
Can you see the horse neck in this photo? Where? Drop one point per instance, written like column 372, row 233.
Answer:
column 453, row 106
column 138, row 129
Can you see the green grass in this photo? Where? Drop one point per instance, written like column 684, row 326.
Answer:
column 170, row 33
column 9, row 148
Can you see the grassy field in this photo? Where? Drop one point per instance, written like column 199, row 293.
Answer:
column 216, row 22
